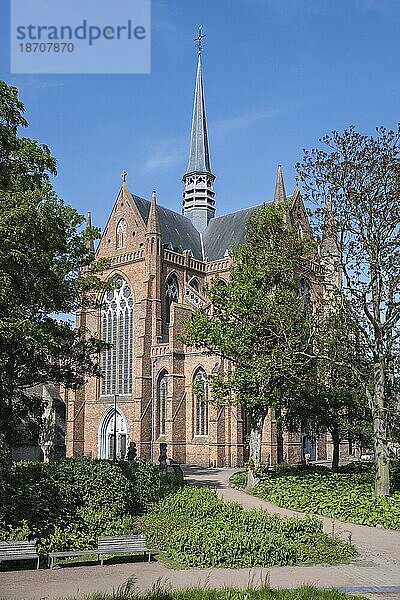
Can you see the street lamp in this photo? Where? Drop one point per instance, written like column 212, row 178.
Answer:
column 115, row 428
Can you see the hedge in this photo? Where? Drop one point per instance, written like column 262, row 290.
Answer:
column 66, row 505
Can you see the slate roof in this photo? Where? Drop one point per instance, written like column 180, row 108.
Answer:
column 175, row 228
column 222, row 231
column 179, row 231
column 199, row 155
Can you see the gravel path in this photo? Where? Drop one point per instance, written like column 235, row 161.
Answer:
column 377, row 566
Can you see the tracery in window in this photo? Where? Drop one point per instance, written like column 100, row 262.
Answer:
column 121, row 233
column 117, row 330
column 171, row 295
column 200, row 392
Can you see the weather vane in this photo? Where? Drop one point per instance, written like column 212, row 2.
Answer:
column 198, row 39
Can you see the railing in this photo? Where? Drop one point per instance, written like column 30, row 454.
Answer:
column 174, row 257
column 219, row 265
column 197, row 265
column 127, row 257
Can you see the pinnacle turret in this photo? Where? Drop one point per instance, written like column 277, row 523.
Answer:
column 153, row 224
column 90, row 241
column 280, row 194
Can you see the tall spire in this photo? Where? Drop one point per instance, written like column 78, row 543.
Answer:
column 198, row 196
column 280, row 194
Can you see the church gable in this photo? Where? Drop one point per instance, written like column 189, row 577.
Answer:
column 125, row 229
column 298, row 213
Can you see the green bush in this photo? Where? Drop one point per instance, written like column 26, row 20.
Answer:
column 195, row 528
column 238, row 480
column 347, row 495
column 66, row 505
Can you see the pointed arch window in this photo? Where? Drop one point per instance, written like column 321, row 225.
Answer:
column 117, row 330
column 121, row 233
column 171, row 295
column 194, row 283
column 200, row 386
column 162, row 391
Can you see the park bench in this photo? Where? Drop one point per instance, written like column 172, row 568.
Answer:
column 123, row 544
column 22, row 550
column 112, row 544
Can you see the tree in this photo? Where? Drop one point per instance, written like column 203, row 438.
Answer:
column 361, row 175
column 331, row 397
column 256, row 322
column 46, row 268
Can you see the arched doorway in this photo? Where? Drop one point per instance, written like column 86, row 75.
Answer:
column 107, row 435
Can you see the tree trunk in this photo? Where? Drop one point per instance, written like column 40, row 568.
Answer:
column 336, row 450
column 257, row 418
column 382, row 481
column 279, row 436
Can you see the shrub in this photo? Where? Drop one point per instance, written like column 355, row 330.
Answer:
column 347, row 495
column 238, row 480
column 66, row 505
column 195, row 528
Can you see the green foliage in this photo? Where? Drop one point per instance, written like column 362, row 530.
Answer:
column 331, row 397
column 238, row 480
column 46, row 268
column 347, row 495
column 68, row 504
column 195, row 528
column 263, row 593
column 257, row 320
column 360, row 174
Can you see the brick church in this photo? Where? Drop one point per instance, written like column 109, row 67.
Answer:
column 159, row 263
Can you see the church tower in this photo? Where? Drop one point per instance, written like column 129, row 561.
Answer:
column 198, row 196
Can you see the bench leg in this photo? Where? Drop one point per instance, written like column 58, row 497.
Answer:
column 38, row 561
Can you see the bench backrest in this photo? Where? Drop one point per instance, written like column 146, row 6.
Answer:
column 17, row 548
column 128, row 542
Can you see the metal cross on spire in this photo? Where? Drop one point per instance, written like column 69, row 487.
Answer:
column 123, row 175
column 199, row 38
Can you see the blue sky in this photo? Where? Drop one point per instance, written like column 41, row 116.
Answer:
column 278, row 75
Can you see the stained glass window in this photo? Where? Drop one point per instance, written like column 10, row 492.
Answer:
column 201, row 402
column 117, row 330
column 172, row 294
column 162, row 403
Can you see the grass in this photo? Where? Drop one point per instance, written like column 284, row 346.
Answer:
column 263, row 593
column 347, row 495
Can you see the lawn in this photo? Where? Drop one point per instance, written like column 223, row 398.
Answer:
column 265, row 593
column 347, row 495
column 195, row 528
